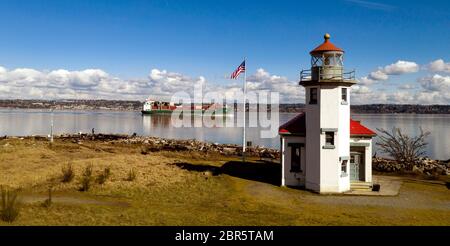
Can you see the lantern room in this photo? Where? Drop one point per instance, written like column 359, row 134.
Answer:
column 327, row 64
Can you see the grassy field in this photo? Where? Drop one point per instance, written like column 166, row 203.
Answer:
column 190, row 188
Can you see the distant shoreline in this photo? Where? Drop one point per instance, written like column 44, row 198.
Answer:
column 119, row 105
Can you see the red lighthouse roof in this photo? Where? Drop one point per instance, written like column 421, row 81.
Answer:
column 326, row 46
column 297, row 126
column 357, row 129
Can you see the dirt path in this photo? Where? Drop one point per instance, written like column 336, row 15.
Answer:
column 413, row 194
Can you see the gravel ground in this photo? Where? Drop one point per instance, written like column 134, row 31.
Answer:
column 413, row 194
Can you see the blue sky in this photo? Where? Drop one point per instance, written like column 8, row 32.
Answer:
column 189, row 39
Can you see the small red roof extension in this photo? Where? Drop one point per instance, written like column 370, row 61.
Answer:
column 297, row 126
column 356, row 128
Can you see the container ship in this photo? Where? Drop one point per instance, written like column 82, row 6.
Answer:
column 160, row 107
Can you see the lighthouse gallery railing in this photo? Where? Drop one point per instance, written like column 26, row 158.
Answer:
column 327, row 74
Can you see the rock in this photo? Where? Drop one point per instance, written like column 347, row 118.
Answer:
column 229, row 151
column 152, row 144
column 417, row 169
column 208, row 173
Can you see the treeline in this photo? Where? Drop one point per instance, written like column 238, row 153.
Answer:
column 72, row 104
column 292, row 108
column 381, row 109
column 400, row 109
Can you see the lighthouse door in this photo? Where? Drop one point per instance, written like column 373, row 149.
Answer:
column 355, row 161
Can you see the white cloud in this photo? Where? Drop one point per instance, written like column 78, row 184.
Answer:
column 401, row 67
column 29, row 83
column 160, row 84
column 61, row 84
column 425, row 97
column 290, row 91
column 365, row 81
column 407, row 87
column 403, row 97
column 439, row 66
column 378, row 75
column 433, row 90
column 398, row 68
column 360, row 89
column 436, row 83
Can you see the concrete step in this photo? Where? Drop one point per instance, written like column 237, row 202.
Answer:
column 360, row 186
column 360, row 189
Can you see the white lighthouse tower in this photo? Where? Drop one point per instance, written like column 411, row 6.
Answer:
column 323, row 149
column 327, row 89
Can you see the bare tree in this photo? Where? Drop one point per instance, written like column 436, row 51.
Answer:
column 403, row 148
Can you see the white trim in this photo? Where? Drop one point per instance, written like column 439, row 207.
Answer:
column 283, row 162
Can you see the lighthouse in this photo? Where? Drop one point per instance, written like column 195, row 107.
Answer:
column 322, row 148
column 327, row 89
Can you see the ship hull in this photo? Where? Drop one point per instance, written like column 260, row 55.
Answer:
column 156, row 111
column 163, row 111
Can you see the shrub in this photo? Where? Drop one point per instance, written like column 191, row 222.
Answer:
column 48, row 202
column 144, row 150
column 131, row 175
column 86, row 179
column 102, row 177
column 67, row 173
column 403, row 148
column 10, row 206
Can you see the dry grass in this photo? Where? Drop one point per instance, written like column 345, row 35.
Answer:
column 86, row 179
column 67, row 173
column 10, row 207
column 164, row 194
column 131, row 175
column 104, row 176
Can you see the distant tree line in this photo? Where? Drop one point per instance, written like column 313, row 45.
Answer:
column 401, row 109
column 293, row 107
column 381, row 108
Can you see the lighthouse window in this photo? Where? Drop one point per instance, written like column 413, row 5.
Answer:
column 295, row 158
column 344, row 168
column 344, row 95
column 329, row 138
column 328, row 60
column 313, row 96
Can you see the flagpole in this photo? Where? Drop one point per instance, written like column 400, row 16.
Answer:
column 244, row 143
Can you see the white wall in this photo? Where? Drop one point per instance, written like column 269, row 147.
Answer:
column 324, row 165
column 313, row 146
column 344, row 137
column 334, row 115
column 289, row 178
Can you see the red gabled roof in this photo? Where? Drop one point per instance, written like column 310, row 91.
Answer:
column 326, row 46
column 356, row 129
column 297, row 126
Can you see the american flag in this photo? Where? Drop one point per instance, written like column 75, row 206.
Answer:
column 238, row 71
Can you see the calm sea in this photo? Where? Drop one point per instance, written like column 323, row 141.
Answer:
column 19, row 122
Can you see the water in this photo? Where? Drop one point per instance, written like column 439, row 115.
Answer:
column 19, row 122
column 437, row 124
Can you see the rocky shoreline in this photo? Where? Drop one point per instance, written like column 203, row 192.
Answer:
column 153, row 144
column 149, row 144
column 423, row 165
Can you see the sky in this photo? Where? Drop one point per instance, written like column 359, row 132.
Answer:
column 131, row 50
